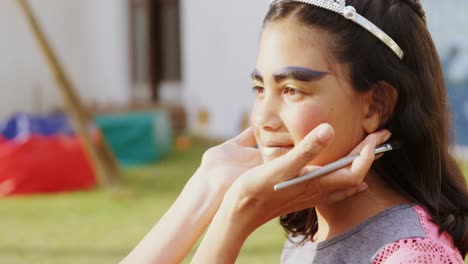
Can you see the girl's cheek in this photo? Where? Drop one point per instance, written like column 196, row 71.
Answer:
column 304, row 119
column 253, row 120
column 252, row 117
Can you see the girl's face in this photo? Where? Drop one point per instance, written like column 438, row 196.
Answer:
column 298, row 86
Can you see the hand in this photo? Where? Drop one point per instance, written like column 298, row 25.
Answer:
column 251, row 201
column 253, row 191
column 178, row 230
column 223, row 164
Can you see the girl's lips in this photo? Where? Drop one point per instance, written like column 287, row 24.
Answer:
column 274, row 150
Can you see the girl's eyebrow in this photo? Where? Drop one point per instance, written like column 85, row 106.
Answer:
column 291, row 72
column 298, row 73
column 256, row 75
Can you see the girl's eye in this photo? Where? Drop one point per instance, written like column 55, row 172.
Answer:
column 293, row 92
column 258, row 89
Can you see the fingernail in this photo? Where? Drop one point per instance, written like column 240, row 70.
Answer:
column 324, row 133
column 387, row 136
column 363, row 187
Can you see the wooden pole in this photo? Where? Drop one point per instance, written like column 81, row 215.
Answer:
column 104, row 163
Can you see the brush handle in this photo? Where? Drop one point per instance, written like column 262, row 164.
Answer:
column 341, row 163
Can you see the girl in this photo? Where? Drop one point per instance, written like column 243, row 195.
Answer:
column 332, row 78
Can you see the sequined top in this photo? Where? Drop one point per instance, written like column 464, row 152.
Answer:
column 402, row 234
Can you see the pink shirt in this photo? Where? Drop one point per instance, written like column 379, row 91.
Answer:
column 433, row 248
column 402, row 234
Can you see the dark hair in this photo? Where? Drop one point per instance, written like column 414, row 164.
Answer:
column 422, row 170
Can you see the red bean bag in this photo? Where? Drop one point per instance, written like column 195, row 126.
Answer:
column 43, row 164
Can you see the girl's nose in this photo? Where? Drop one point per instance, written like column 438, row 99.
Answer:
column 266, row 117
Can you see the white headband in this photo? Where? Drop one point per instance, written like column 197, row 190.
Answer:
column 349, row 12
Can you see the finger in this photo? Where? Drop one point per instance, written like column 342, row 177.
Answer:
column 381, row 137
column 246, row 138
column 307, row 169
column 355, row 174
column 361, row 165
column 293, row 161
column 379, row 156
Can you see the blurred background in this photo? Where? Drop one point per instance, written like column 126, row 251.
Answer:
column 156, row 82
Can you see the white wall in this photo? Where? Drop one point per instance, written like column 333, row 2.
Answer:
column 219, row 44
column 219, row 50
column 447, row 21
column 90, row 38
column 448, row 24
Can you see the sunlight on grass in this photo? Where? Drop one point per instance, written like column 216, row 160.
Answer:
column 95, row 226
column 98, row 226
column 465, row 169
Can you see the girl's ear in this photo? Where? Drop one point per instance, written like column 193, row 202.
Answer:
column 380, row 102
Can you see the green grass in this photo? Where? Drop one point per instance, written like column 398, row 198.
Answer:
column 101, row 227
column 465, row 172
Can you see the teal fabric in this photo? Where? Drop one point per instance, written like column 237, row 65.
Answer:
column 137, row 138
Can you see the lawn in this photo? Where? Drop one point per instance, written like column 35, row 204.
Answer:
column 102, row 227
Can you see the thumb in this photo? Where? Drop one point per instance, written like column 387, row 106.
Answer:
column 246, row 138
column 307, row 149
